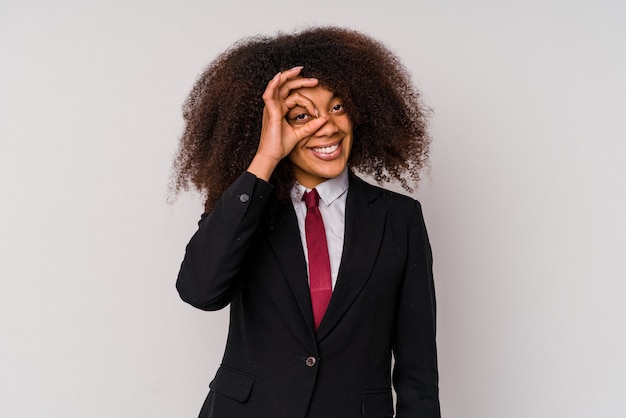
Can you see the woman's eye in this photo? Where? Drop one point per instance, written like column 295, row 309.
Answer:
column 337, row 108
column 299, row 118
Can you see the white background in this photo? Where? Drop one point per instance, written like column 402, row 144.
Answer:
column 525, row 202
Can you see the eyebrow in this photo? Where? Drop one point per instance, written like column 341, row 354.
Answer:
column 333, row 97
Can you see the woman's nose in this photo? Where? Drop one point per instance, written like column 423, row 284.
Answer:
column 328, row 129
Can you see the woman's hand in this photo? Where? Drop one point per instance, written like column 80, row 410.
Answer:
column 278, row 137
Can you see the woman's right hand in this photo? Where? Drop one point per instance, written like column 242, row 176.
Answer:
column 278, row 137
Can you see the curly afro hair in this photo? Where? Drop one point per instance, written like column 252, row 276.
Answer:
column 223, row 112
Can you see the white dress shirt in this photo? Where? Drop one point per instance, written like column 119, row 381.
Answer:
column 333, row 193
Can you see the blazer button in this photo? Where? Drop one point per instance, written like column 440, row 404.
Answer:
column 311, row 361
column 244, row 198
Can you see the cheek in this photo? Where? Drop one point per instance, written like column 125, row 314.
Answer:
column 348, row 144
column 296, row 156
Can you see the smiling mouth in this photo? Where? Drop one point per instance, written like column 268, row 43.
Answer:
column 326, row 150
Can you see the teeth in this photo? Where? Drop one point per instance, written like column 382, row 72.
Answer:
column 326, row 150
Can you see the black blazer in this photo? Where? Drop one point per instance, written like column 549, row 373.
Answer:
column 275, row 364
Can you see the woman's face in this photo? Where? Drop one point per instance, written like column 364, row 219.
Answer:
column 324, row 154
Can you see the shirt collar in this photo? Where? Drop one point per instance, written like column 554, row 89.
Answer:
column 329, row 190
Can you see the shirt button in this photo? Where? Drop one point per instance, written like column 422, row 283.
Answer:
column 311, row 361
column 244, row 198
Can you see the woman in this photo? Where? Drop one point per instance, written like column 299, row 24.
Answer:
column 326, row 276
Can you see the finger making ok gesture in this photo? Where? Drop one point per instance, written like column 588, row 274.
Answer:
column 278, row 137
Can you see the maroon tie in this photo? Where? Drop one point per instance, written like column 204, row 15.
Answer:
column 319, row 263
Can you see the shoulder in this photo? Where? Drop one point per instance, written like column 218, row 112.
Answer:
column 394, row 201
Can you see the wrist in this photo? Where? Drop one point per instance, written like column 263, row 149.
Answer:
column 262, row 166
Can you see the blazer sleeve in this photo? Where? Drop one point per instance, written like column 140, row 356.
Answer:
column 415, row 373
column 209, row 274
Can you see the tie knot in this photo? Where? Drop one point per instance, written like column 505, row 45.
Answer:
column 312, row 199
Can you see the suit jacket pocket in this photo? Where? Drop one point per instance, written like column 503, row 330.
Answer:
column 377, row 404
column 232, row 383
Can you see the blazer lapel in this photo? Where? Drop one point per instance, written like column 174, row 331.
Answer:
column 365, row 220
column 287, row 246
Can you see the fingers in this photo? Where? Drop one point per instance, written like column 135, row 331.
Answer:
column 288, row 116
column 290, row 84
column 308, row 129
column 273, row 87
column 298, row 100
column 280, row 87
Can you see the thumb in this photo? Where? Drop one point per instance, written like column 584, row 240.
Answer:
column 310, row 128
